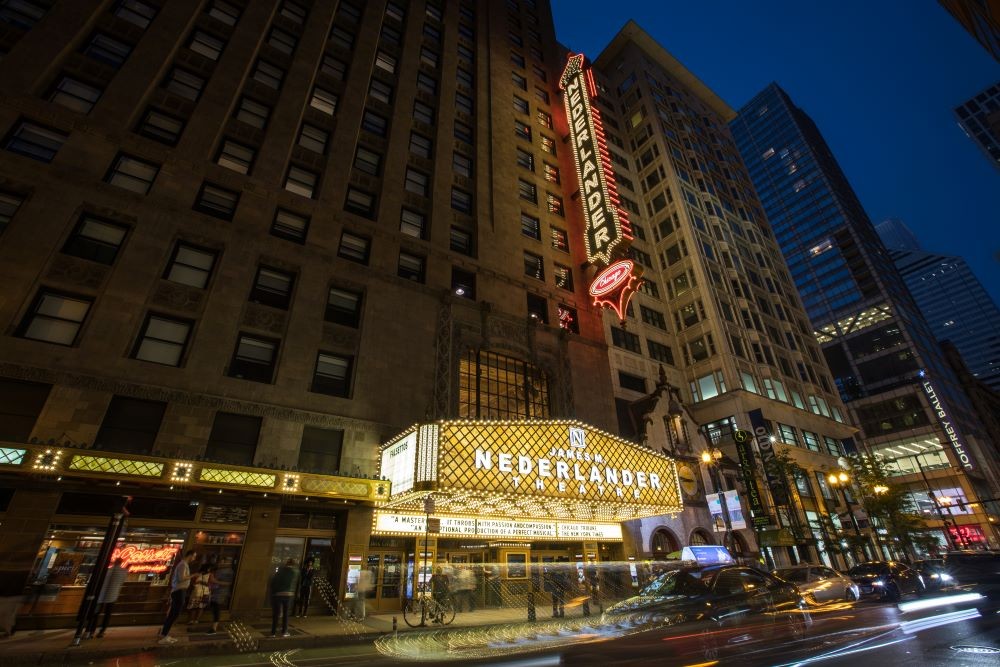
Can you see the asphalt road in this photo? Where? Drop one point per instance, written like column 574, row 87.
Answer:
column 840, row 634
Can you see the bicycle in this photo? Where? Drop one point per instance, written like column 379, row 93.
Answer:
column 417, row 611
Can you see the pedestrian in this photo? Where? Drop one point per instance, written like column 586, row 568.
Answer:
column 491, row 572
column 284, row 583
column 305, row 590
column 200, row 594
column 559, row 582
column 465, row 584
column 180, row 581
column 440, row 589
column 221, row 587
column 110, row 590
column 366, row 583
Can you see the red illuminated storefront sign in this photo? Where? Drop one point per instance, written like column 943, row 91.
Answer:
column 615, row 285
column 149, row 559
column 967, row 535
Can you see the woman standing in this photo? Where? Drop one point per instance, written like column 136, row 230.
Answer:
column 200, row 594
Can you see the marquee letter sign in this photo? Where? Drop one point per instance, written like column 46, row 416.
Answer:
column 607, row 225
column 615, row 285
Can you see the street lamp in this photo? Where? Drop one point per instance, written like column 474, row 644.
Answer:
column 711, row 458
column 841, row 480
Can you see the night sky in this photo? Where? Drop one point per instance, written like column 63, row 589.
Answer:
column 879, row 78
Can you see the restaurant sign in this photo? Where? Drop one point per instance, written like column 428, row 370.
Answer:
column 388, row 523
column 145, row 559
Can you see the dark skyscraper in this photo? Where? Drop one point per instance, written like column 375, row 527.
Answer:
column 881, row 351
column 896, row 235
column 981, row 18
column 980, row 118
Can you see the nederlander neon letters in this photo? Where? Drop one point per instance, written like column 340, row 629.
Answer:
column 562, row 472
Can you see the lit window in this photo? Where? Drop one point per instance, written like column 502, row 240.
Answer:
column 534, row 266
column 411, row 267
column 420, row 145
column 462, row 165
column 564, row 277
column 343, row 306
column 527, row 191
column 96, row 239
column 253, row 113
column 354, row 248
column 301, row 181
column 217, row 201
column 381, row 91
column 313, row 138
column 386, row 62
column 360, row 203
column 460, row 241
column 75, row 94
column 416, row 182
column 272, row 287
column 191, row 266
column 132, row 174
column 551, row 172
column 547, row 144
column 254, row 359
column 207, row 45
column 160, row 127
column 185, row 84
column 55, row 318
column 560, row 239
column 235, row 156
column 324, row 101
column 530, row 226
column 291, row 226
column 268, row 74
column 333, row 375
column 412, row 223
column 162, row 340
column 367, row 161
column 554, row 203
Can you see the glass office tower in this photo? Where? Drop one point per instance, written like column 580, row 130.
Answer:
column 881, row 351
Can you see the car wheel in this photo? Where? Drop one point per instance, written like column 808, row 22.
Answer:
column 709, row 645
column 850, row 595
column 797, row 625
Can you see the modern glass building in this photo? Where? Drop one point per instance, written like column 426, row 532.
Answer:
column 980, row 118
column 883, row 355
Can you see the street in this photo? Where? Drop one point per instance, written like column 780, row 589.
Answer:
column 941, row 630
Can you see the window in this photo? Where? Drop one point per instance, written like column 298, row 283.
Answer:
column 543, row 119
column 495, row 386
column 538, row 308
column 660, row 352
column 35, row 141
column 527, row 191
column 416, row 182
column 333, row 67
column 21, row 13
column 412, row 223
column 381, row 91
column 426, row 84
column 313, row 138
column 463, row 283
column 530, row 226
column 96, row 239
column 631, row 382
column 235, row 156
column 207, row 45
column 185, row 84
column 161, row 127
column 522, row 130
column 9, row 203
column 75, row 94
column 272, row 287
column 190, row 265
column 368, row 161
column 254, row 359
column 833, row 446
column 107, row 50
column 460, row 241
column 811, row 440
column 464, row 133
column 374, row 123
column 293, row 12
column 291, row 226
column 341, row 38
column 224, row 12
column 554, row 203
column 551, row 172
column 390, row 35
column 320, row 449
column 533, row 266
column 625, row 340
column 55, row 317
column 547, row 144
column 252, row 113
column 21, row 403
column 564, row 277
column 162, row 340
column 282, row 41
column 461, row 201
column 385, row 62
column 233, row 439
column 420, row 145
column 411, row 267
column 360, row 203
column 560, row 239
column 462, row 165
column 465, row 77
column 301, row 182
column 568, row 318
column 541, row 95
column 517, row 59
column 653, row 317
column 464, row 104
column 130, row 425
column 354, row 248
column 343, row 306
column 429, row 57
column 323, row 100
column 432, row 34
column 525, row 159
column 217, row 201
column 132, row 174
column 268, row 74
column 423, row 113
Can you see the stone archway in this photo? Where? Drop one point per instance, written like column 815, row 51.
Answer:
column 663, row 542
column 739, row 546
column 700, row 536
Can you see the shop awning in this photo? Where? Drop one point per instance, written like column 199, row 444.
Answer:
column 552, row 470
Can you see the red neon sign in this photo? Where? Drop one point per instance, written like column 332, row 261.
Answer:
column 611, row 278
column 614, row 286
column 151, row 559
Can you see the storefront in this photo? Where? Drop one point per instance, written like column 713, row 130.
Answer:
column 496, row 502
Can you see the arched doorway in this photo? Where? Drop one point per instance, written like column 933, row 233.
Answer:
column 739, row 546
column 662, row 543
column 700, row 536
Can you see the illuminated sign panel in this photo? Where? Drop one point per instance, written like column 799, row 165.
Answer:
column 139, row 559
column 607, row 225
column 946, row 424
column 399, row 463
column 615, row 285
column 387, row 523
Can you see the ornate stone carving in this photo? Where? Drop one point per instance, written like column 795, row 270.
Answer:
column 76, row 272
column 177, row 297
column 511, row 333
column 264, row 318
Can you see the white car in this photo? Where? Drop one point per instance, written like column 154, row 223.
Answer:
column 819, row 583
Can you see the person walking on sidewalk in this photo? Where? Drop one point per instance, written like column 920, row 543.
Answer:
column 305, row 590
column 366, row 583
column 113, row 580
column 221, row 585
column 284, row 583
column 180, row 580
column 200, row 595
column 465, row 584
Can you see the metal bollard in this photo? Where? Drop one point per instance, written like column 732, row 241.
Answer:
column 394, row 621
column 531, row 605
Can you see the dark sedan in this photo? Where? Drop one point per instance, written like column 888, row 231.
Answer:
column 978, row 571
column 887, row 580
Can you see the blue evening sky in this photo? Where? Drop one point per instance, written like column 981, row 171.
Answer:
column 879, row 78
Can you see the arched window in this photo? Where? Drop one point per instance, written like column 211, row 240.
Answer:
column 663, row 543
column 494, row 386
column 740, row 547
column 699, row 536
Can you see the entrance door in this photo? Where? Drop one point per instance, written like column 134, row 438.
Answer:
column 387, row 570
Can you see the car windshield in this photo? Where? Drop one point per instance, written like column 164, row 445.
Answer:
column 675, row 583
column 796, row 575
column 869, row 569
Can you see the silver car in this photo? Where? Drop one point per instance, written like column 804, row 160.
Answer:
column 819, row 583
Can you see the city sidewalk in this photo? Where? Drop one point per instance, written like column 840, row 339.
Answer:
column 29, row 647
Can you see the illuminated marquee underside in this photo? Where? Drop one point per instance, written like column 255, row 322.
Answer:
column 546, row 470
column 614, row 286
column 607, row 225
column 390, row 523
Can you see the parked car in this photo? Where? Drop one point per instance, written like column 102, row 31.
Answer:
column 887, row 580
column 820, row 583
column 979, row 571
column 934, row 572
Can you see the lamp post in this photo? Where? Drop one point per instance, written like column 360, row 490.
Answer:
column 711, row 459
column 879, row 490
column 840, row 480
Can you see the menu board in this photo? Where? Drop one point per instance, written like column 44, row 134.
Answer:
column 225, row 514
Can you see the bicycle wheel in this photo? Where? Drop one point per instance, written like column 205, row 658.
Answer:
column 446, row 609
column 412, row 612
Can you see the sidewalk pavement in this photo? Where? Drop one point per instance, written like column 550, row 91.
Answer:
column 29, row 647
